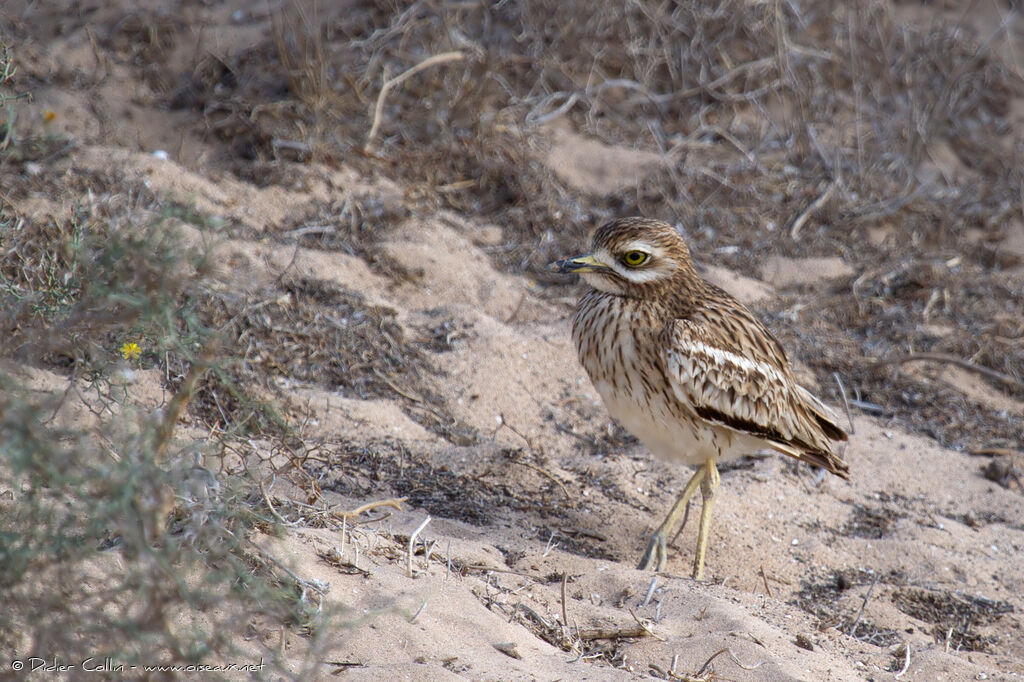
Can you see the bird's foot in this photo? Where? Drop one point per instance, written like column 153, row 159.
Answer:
column 656, row 556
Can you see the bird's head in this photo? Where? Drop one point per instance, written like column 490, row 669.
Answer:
column 632, row 257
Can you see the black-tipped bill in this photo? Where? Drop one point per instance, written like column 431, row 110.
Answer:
column 578, row 264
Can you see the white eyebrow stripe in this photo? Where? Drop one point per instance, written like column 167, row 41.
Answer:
column 639, row 245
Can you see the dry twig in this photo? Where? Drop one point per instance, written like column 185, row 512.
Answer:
column 798, row 224
column 856, row 621
column 394, row 503
column 732, row 656
column 378, row 108
column 650, row 591
column 412, row 544
column 906, row 663
column 846, row 403
column 165, row 429
column 626, row 632
column 565, row 617
column 418, row 612
column 545, row 472
column 767, row 587
column 1006, row 379
column 650, row 633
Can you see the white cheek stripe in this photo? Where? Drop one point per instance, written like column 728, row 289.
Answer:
column 639, row 276
column 602, row 283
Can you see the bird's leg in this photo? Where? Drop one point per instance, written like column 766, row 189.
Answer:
column 708, row 486
column 657, row 555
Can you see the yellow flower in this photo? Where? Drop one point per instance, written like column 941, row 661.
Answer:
column 130, row 350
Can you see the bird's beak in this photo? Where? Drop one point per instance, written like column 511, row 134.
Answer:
column 578, row 264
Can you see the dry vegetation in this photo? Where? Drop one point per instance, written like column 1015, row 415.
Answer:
column 797, row 128
column 787, row 128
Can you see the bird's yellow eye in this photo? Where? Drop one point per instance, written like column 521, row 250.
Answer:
column 635, row 259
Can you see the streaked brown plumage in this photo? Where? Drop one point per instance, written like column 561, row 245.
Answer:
column 687, row 368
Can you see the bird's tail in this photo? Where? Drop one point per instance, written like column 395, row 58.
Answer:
column 826, row 418
column 820, row 443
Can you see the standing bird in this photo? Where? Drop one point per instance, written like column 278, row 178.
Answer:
column 687, row 368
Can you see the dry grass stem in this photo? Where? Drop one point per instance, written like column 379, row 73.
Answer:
column 846, row 402
column 378, row 108
column 549, row 475
column 624, row 632
column 816, row 205
column 764, row 578
column 650, row 592
column 735, row 660
column 394, row 503
column 906, row 663
column 641, row 624
column 412, row 545
column 1005, row 379
column 565, row 617
column 181, row 399
column 856, row 621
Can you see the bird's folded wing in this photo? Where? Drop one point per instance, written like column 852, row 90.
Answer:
column 750, row 396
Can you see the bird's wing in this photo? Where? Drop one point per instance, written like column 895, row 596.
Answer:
column 750, row 395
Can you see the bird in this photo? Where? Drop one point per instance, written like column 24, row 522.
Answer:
column 688, row 369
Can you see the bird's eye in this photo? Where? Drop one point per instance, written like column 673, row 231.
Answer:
column 635, row 259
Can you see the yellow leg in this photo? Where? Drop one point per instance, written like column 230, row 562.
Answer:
column 708, row 486
column 656, row 556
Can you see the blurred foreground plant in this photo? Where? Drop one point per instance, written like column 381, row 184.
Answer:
column 117, row 538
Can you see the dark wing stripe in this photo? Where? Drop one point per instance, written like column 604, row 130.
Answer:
column 825, row 417
column 747, row 426
column 751, row 396
column 830, row 429
column 807, row 452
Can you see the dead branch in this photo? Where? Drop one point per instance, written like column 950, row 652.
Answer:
column 378, row 108
column 906, row 663
column 815, row 206
column 394, row 503
column 412, row 544
column 732, row 656
column 650, row 633
column 165, row 429
column 846, row 403
column 1006, row 379
column 545, row 472
column 856, row 621
column 625, row 632
column 565, row 617
column 767, row 587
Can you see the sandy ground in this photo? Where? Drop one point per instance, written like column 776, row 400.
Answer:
column 543, row 518
column 556, row 490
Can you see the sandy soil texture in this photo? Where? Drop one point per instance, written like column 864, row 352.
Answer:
column 415, row 345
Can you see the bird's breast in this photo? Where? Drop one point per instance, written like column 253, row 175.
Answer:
column 618, row 347
column 610, row 337
column 613, row 340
